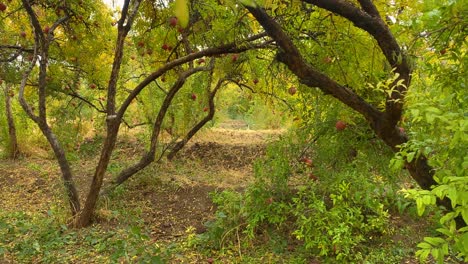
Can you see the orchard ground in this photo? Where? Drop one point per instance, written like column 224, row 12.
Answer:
column 159, row 211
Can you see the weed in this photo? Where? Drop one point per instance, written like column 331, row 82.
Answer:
column 339, row 214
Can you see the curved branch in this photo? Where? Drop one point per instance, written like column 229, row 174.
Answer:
column 149, row 156
column 369, row 20
column 86, row 101
column 383, row 124
column 17, row 52
column 24, row 104
column 41, row 48
column 290, row 55
column 179, row 145
column 34, row 21
column 369, row 7
column 242, row 85
column 229, row 48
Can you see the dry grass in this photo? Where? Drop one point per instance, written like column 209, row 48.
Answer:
column 215, row 159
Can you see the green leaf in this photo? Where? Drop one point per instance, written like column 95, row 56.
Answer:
column 464, row 213
column 250, row 3
column 436, row 254
column 453, row 195
column 415, row 112
column 396, row 164
column 410, row 156
column 440, row 191
column 428, row 200
column 433, row 110
column 182, row 12
column 424, row 245
column 447, row 217
column 420, row 206
column 423, row 254
column 430, row 118
column 445, row 249
column 435, row 241
column 444, row 231
column 461, row 244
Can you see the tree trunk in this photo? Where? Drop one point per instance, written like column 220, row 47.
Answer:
column 383, row 123
column 86, row 215
column 199, row 125
column 418, row 168
column 67, row 176
column 113, row 121
column 13, row 150
column 149, row 156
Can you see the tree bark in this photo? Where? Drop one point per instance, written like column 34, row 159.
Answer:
column 369, row 19
column 113, row 121
column 383, row 123
column 67, row 176
column 41, row 50
column 13, row 150
column 115, row 115
column 85, row 217
column 211, row 106
column 149, row 156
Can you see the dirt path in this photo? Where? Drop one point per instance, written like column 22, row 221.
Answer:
column 229, row 153
column 173, row 195
column 216, row 159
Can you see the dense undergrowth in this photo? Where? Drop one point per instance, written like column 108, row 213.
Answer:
column 326, row 197
column 119, row 236
column 331, row 197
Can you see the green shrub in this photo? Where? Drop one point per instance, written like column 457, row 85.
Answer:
column 436, row 114
column 40, row 238
column 337, row 215
column 340, row 223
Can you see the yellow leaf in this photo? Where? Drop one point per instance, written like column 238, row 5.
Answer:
column 182, row 12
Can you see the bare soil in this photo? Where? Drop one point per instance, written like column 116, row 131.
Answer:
column 176, row 198
column 215, row 160
column 174, row 195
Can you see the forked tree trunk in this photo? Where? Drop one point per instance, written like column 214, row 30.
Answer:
column 149, row 156
column 113, row 124
column 211, row 111
column 41, row 51
column 13, row 150
column 114, row 115
column 86, row 215
column 383, row 123
column 67, row 176
column 113, row 120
